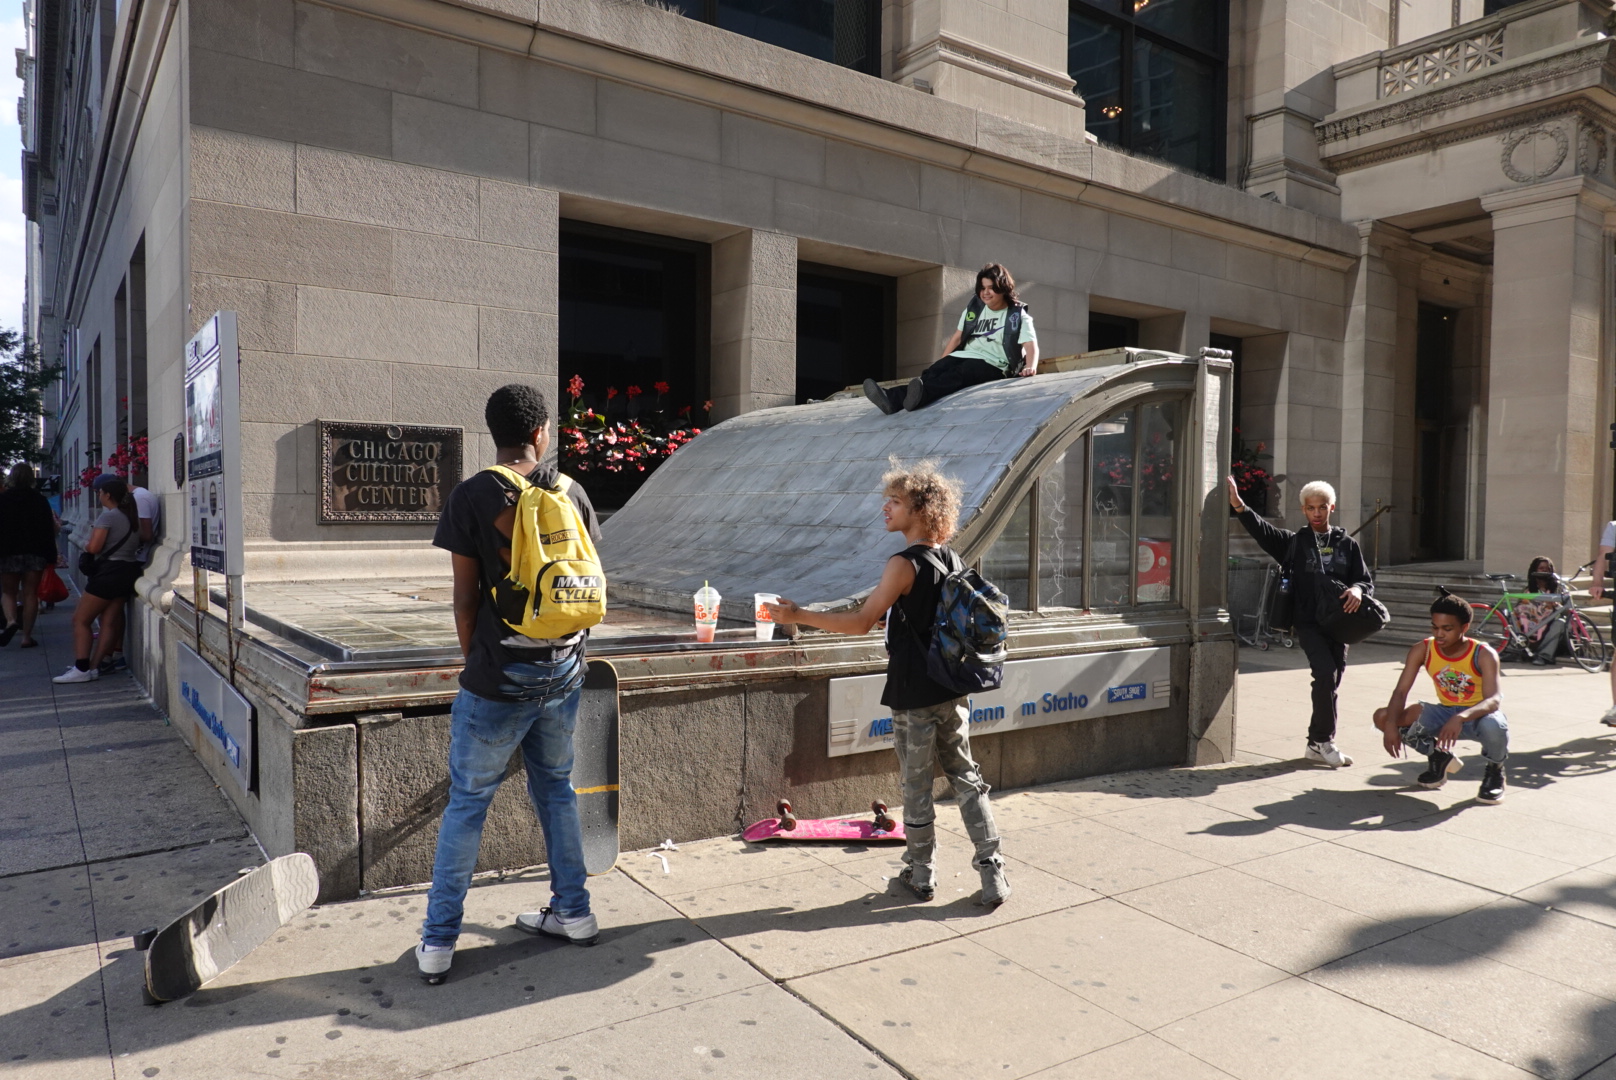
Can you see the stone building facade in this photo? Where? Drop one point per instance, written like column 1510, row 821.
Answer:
column 1394, row 212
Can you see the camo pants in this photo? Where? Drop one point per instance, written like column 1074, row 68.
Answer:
column 941, row 734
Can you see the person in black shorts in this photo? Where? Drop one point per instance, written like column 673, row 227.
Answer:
column 115, row 563
column 930, row 722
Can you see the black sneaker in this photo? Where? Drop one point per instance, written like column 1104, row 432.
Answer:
column 1492, row 785
column 878, row 397
column 913, row 395
column 1442, row 763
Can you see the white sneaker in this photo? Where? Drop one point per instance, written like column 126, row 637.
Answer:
column 73, row 674
column 1328, row 754
column 434, row 961
column 580, row 931
column 1609, row 719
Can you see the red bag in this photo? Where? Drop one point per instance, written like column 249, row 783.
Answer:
column 52, row 590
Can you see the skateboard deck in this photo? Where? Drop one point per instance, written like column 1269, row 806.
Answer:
column 594, row 767
column 881, row 830
column 207, row 940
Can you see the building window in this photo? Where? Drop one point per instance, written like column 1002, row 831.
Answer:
column 1151, row 73
column 842, row 32
column 634, row 332
column 1098, row 528
column 1112, row 332
column 847, row 329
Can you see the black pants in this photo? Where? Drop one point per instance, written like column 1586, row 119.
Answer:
column 1327, row 658
column 953, row 372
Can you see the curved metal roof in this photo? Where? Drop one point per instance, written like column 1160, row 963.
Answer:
column 788, row 500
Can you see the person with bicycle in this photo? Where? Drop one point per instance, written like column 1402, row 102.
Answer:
column 1537, row 619
column 1319, row 550
column 1465, row 674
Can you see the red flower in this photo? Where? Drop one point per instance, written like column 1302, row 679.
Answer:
column 575, row 386
column 661, row 387
column 707, row 406
column 611, row 392
column 684, row 410
column 633, row 392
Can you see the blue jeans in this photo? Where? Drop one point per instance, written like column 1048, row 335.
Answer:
column 484, row 735
column 1492, row 731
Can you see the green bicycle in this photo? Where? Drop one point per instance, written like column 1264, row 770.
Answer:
column 1496, row 624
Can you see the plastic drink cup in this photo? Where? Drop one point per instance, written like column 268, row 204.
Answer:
column 707, row 600
column 765, row 621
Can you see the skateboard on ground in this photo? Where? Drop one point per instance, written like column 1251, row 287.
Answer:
column 207, row 940
column 594, row 767
column 881, row 829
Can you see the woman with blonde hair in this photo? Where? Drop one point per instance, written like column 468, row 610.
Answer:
column 27, row 547
column 930, row 722
column 1319, row 550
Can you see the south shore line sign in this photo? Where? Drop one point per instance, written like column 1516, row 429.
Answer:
column 1055, row 690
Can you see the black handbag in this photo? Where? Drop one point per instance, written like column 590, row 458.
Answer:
column 1349, row 627
column 89, row 562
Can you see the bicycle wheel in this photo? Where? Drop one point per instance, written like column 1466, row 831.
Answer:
column 1585, row 641
column 1487, row 625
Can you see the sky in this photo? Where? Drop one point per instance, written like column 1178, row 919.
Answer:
column 13, row 248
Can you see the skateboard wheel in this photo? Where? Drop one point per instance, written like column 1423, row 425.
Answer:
column 434, row 980
column 788, row 820
column 143, row 938
column 883, row 821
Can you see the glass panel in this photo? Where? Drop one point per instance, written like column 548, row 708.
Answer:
column 1111, row 505
column 1194, row 22
column 1005, row 564
column 1175, row 108
column 1060, row 529
column 804, row 26
column 1158, row 500
column 1094, row 61
column 842, row 334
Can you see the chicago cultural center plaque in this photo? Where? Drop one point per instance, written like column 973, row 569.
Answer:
column 385, row 473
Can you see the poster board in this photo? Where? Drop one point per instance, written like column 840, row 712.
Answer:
column 213, row 445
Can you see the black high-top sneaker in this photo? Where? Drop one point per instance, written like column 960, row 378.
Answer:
column 1442, row 764
column 1492, row 785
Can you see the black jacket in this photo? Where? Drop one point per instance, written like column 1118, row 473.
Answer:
column 1344, row 561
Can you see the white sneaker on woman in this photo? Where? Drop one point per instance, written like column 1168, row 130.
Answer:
column 1609, row 719
column 73, row 674
column 582, row 930
column 1328, row 754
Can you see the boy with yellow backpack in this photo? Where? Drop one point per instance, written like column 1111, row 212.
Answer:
column 527, row 588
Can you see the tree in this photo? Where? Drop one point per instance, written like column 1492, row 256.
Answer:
column 23, row 382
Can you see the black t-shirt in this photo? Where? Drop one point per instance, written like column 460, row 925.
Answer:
column 909, row 630
column 466, row 527
column 26, row 524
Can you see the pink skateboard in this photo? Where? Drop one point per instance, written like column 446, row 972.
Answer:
column 882, row 830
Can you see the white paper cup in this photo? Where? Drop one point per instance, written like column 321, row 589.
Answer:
column 765, row 621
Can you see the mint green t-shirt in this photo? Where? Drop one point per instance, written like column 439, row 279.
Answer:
column 985, row 338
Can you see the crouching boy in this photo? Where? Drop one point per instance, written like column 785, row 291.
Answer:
column 1465, row 673
column 930, row 722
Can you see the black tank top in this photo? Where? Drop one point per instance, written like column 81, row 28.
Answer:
column 909, row 628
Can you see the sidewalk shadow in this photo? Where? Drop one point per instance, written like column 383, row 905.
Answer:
column 1443, row 940
column 516, row 971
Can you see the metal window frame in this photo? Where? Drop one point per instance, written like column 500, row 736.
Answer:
column 1131, row 31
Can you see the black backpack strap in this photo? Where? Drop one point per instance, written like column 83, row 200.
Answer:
column 941, row 566
column 973, row 312
column 1012, row 339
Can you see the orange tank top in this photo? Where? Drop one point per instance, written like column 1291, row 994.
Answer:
column 1457, row 681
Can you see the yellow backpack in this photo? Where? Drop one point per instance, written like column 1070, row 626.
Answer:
column 555, row 586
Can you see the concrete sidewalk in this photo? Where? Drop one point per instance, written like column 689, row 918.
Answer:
column 1262, row 919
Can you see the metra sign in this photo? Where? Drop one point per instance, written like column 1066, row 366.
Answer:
column 1054, row 690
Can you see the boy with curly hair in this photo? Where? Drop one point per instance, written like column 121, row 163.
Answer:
column 930, row 722
column 1465, row 674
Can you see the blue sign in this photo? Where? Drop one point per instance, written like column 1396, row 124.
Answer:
column 1127, row 692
